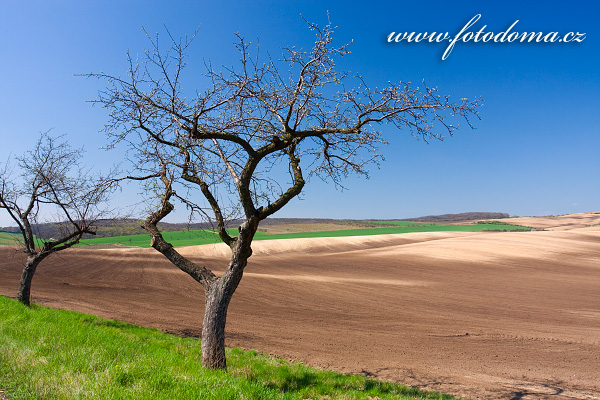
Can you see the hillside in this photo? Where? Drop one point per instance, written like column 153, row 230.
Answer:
column 474, row 314
column 468, row 216
column 123, row 227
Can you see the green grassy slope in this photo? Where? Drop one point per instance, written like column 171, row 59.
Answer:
column 15, row 239
column 57, row 354
column 10, row 239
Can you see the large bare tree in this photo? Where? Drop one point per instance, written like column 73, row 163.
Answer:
column 52, row 187
column 244, row 146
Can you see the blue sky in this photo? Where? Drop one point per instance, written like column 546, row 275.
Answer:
column 536, row 150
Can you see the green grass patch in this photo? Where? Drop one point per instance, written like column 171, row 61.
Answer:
column 10, row 239
column 57, row 354
column 197, row 237
column 181, row 238
column 16, row 239
column 398, row 229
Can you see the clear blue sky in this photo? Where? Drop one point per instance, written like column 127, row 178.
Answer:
column 536, row 150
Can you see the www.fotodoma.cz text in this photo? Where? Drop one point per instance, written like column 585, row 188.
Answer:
column 465, row 35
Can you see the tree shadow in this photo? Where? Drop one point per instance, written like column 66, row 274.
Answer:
column 185, row 332
column 552, row 391
column 294, row 382
column 288, row 380
column 108, row 322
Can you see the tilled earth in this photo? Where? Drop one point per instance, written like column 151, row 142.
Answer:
column 507, row 315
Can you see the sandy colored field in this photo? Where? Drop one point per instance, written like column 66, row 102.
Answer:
column 481, row 315
column 590, row 220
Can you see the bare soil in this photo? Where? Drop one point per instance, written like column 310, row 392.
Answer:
column 589, row 220
column 507, row 315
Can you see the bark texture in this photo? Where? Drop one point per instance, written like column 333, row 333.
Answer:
column 24, row 293
column 213, row 326
column 217, row 298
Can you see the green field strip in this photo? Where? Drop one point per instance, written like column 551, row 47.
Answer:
column 198, row 237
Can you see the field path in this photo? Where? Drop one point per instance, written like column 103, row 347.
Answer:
column 507, row 315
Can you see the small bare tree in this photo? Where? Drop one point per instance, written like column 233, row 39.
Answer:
column 234, row 142
column 51, row 183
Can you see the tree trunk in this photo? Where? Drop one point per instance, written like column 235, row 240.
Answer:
column 23, row 295
column 213, row 326
column 217, row 299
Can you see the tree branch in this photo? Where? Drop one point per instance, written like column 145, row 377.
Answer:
column 200, row 273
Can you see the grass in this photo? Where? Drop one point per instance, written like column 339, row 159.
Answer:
column 57, row 354
column 16, row 239
column 10, row 239
column 197, row 237
column 181, row 238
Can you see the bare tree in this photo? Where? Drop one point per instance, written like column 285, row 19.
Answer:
column 249, row 141
column 53, row 185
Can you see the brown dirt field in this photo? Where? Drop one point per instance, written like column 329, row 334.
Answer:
column 508, row 315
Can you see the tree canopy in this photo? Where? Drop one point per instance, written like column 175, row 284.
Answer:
column 218, row 151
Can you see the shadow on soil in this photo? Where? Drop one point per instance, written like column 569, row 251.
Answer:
column 543, row 390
